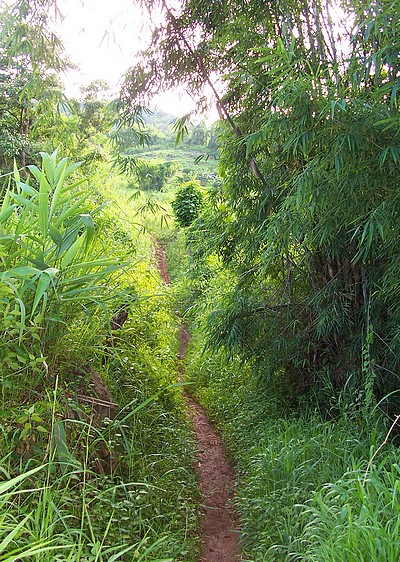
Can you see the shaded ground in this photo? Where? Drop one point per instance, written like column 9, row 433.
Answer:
column 216, row 475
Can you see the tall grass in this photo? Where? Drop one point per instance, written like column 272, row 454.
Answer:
column 45, row 524
column 353, row 520
column 113, row 488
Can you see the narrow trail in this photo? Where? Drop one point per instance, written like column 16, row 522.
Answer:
column 216, row 474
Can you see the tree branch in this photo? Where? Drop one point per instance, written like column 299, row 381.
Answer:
column 202, row 71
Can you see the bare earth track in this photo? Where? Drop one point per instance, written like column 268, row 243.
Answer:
column 216, row 475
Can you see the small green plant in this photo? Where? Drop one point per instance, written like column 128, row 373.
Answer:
column 50, row 271
column 187, row 203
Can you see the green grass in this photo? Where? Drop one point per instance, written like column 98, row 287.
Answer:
column 108, row 489
column 354, row 519
column 309, row 488
column 303, row 492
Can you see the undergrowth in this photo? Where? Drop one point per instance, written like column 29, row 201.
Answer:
column 304, row 492
column 96, row 453
column 314, row 484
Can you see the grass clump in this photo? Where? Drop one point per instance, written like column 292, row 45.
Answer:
column 355, row 518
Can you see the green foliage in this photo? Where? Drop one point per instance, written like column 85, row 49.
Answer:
column 87, row 123
column 128, row 134
column 149, row 146
column 304, row 490
column 114, row 486
column 96, row 486
column 354, row 519
column 305, row 219
column 199, row 135
column 153, row 174
column 294, row 260
column 49, row 270
column 31, row 94
column 191, row 163
column 187, row 203
column 74, row 511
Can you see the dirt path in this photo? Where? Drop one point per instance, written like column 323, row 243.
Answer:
column 161, row 262
column 216, row 475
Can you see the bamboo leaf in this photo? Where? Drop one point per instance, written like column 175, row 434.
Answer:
column 22, row 200
column 72, row 167
column 40, row 264
column 393, row 96
column 22, row 271
column 45, row 278
column 47, row 167
column 88, row 222
column 6, row 201
column 60, row 169
column 37, row 174
column 69, row 211
column 17, row 177
column 57, row 191
column 6, row 214
column 28, row 189
column 72, row 252
column 55, row 236
column 68, row 239
column 43, row 205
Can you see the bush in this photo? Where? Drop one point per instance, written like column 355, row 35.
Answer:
column 187, row 202
column 50, row 273
column 153, row 175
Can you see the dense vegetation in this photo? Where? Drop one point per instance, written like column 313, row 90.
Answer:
column 96, row 453
column 293, row 261
column 88, row 409
column 305, row 217
column 284, row 262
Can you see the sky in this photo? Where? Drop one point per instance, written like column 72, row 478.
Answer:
column 101, row 37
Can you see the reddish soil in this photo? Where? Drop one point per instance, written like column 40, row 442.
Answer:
column 161, row 261
column 216, row 475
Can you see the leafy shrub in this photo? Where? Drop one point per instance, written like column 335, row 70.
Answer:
column 153, row 175
column 49, row 271
column 187, row 203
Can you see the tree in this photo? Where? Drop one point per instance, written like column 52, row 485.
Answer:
column 31, row 93
column 89, row 121
column 199, row 135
